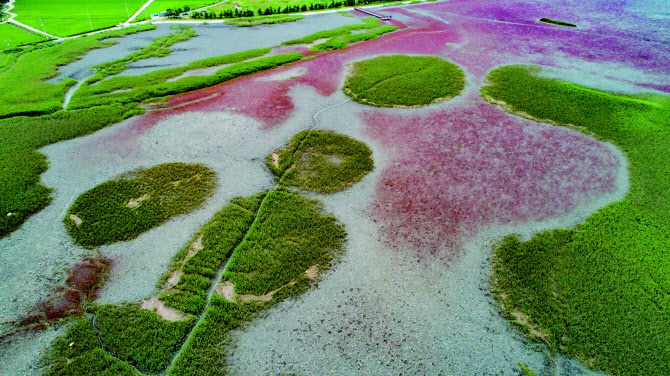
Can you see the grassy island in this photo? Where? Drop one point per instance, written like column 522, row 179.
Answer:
column 124, row 208
column 403, row 81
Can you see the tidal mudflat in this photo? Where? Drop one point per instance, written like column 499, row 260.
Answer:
column 411, row 290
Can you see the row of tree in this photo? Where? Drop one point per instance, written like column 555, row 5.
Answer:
column 172, row 13
column 287, row 9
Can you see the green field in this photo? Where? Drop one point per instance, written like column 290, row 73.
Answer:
column 68, row 17
column 12, row 36
column 600, row 291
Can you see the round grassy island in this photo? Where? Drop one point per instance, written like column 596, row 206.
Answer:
column 403, row 81
column 321, row 161
column 124, row 208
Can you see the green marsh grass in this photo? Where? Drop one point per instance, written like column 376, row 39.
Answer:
column 270, row 240
column 78, row 353
column 601, row 291
column 124, row 208
column 329, row 45
column 290, row 234
column 23, row 90
column 140, row 336
column 400, row 80
column 218, row 238
column 368, row 23
column 158, row 48
column 21, row 194
column 156, row 84
column 321, row 161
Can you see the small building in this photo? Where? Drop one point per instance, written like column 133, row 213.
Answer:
column 237, row 6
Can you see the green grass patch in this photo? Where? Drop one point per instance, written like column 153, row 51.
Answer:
column 321, row 161
column 353, row 38
column 204, row 352
column 140, row 336
column 329, row 45
column 78, row 353
column 560, row 23
column 158, row 48
column 13, row 36
column 155, row 84
column 601, row 291
column 368, row 23
column 21, row 194
column 276, row 237
column 70, row 17
column 264, row 20
column 400, row 80
column 124, row 208
column 290, row 235
column 23, row 90
column 218, row 239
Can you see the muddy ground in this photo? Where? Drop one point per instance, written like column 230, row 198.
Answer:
column 389, row 306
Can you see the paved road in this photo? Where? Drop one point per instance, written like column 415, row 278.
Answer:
column 138, row 12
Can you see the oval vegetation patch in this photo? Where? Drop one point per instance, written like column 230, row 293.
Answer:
column 403, row 81
column 321, row 161
column 123, row 208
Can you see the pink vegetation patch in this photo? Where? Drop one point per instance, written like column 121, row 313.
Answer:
column 65, row 302
column 88, row 275
column 459, row 171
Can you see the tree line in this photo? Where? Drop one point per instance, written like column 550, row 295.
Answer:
column 235, row 13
